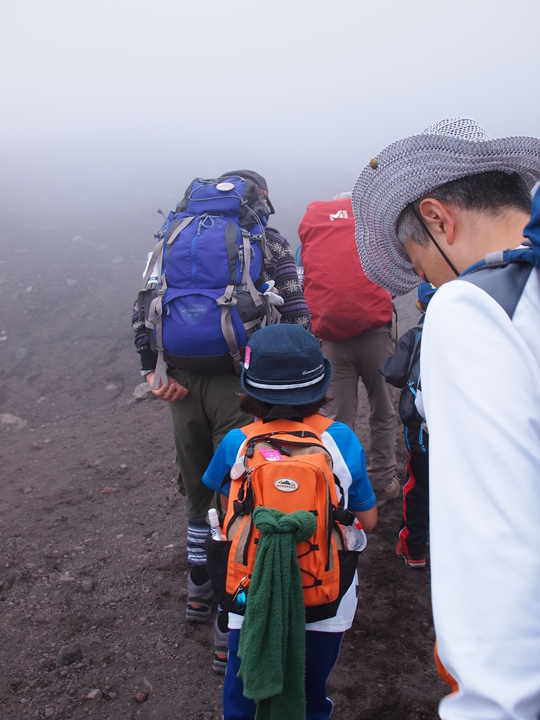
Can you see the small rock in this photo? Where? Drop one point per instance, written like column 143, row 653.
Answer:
column 27, row 490
column 141, row 696
column 49, row 712
column 142, row 391
column 69, row 654
column 112, row 696
column 111, row 386
column 71, row 283
column 17, row 422
column 123, row 466
column 87, row 585
column 95, row 695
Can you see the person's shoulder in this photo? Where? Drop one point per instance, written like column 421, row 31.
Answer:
column 274, row 233
column 459, row 301
column 235, row 437
column 230, row 444
column 343, row 435
column 274, row 236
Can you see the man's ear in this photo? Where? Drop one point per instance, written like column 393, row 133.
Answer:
column 439, row 218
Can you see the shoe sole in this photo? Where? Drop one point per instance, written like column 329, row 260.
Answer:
column 198, row 615
column 220, row 662
column 413, row 564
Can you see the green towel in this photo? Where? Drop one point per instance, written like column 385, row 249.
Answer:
column 272, row 640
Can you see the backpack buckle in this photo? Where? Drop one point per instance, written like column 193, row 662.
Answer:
column 343, row 516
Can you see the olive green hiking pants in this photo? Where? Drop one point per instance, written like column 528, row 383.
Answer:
column 200, row 422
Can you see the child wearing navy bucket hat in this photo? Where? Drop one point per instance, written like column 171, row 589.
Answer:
column 285, row 376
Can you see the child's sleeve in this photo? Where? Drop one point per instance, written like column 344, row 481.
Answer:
column 350, row 467
column 396, row 366
column 223, row 460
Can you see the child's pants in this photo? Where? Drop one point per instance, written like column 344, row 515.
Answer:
column 322, row 650
column 415, row 525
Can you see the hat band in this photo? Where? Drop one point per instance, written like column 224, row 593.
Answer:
column 294, row 386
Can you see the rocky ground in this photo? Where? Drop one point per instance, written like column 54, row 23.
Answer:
column 92, row 531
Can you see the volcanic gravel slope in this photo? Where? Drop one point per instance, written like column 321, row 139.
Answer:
column 92, row 530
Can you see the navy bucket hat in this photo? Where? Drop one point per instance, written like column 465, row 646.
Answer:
column 284, row 365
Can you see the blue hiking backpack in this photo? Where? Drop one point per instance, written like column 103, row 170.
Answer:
column 200, row 298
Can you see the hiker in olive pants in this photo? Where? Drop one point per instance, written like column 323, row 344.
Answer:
column 200, row 422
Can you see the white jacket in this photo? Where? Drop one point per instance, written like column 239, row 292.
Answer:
column 481, row 394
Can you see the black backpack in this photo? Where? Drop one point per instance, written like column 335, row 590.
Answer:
column 416, row 435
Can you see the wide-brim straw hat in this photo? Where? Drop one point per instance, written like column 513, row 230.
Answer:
column 408, row 169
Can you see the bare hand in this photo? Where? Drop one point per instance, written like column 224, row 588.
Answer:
column 173, row 392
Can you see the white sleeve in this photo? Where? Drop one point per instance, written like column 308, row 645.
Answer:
column 481, row 393
column 419, row 402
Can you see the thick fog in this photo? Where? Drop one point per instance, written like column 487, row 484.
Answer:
column 110, row 109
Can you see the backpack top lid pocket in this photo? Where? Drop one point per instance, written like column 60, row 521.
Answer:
column 232, row 196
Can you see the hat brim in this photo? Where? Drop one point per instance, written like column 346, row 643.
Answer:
column 298, row 396
column 407, row 170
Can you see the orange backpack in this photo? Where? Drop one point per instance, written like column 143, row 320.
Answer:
column 284, row 465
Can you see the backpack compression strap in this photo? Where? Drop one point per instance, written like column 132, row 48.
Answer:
column 154, row 319
column 246, row 277
column 228, row 300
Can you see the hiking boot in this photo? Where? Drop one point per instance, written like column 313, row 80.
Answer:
column 221, row 649
column 200, row 601
column 390, row 492
column 409, row 561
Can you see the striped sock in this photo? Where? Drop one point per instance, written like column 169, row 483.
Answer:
column 197, row 534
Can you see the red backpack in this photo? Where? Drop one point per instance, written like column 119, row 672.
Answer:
column 342, row 301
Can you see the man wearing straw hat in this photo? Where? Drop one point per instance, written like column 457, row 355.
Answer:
column 427, row 208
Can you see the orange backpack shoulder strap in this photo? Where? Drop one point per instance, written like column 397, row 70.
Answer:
column 252, row 428
column 318, row 422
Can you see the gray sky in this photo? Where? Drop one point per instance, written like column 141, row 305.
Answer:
column 149, row 93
